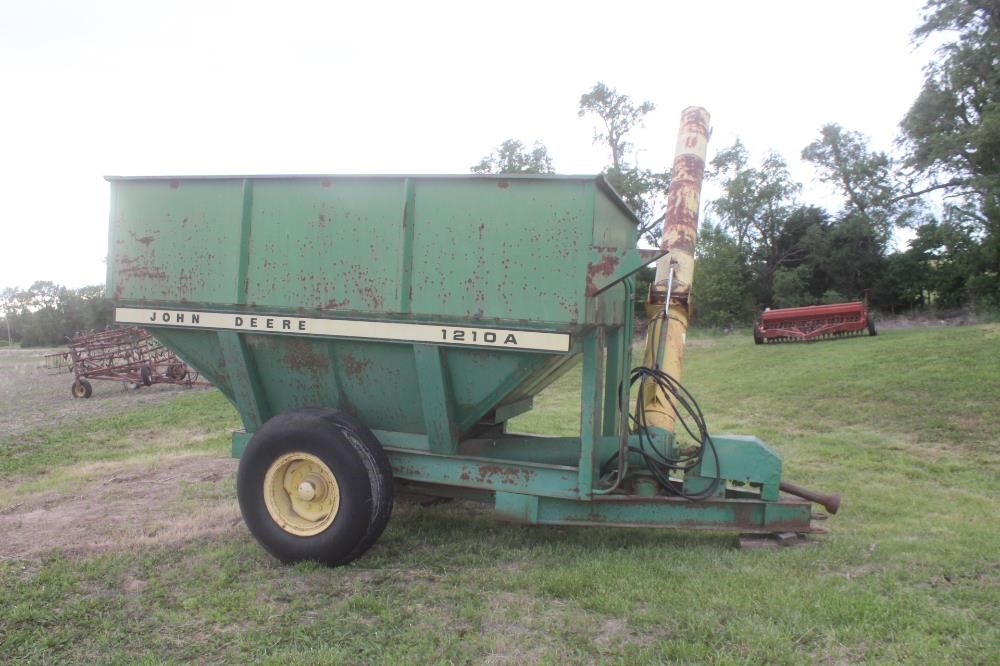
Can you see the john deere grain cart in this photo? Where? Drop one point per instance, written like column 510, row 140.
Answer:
column 380, row 331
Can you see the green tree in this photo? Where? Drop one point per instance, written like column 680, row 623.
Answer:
column 831, row 296
column 8, row 305
column 756, row 201
column 952, row 131
column 947, row 254
column 46, row 314
column 851, row 257
column 804, row 241
column 722, row 298
column 43, row 294
column 755, row 206
column 865, row 178
column 513, row 157
column 619, row 115
column 951, row 134
column 796, row 241
column 791, row 288
column 642, row 190
column 902, row 284
column 99, row 311
column 736, row 206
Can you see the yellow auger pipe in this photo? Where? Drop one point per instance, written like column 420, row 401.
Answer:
column 668, row 328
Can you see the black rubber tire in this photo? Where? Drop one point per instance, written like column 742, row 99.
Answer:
column 146, row 375
column 81, row 388
column 359, row 465
column 871, row 325
column 758, row 339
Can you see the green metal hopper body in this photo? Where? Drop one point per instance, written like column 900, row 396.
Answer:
column 431, row 308
column 490, row 275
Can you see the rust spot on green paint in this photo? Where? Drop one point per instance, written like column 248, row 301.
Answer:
column 354, row 367
column 506, row 475
column 604, row 268
column 302, row 355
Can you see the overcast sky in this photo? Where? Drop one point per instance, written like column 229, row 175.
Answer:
column 144, row 88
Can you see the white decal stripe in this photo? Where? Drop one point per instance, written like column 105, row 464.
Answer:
column 470, row 336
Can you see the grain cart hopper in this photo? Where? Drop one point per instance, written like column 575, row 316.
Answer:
column 381, row 331
column 814, row 322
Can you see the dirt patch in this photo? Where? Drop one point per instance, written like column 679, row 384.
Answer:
column 510, row 616
column 170, row 500
column 960, row 317
column 31, row 396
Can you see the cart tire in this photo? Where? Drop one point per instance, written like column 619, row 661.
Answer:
column 81, row 389
column 871, row 325
column 146, row 375
column 315, row 485
column 758, row 339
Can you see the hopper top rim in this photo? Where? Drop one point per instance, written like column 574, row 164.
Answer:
column 601, row 181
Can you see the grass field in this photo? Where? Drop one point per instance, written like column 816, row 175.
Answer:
column 120, row 540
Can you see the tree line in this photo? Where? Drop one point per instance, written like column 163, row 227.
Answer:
column 761, row 245
column 45, row 314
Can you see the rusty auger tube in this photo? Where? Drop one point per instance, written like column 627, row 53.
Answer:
column 680, row 231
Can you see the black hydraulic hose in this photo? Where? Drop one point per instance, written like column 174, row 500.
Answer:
column 691, row 418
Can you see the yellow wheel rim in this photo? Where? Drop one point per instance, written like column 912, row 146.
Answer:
column 301, row 494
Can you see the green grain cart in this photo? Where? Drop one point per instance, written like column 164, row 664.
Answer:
column 379, row 332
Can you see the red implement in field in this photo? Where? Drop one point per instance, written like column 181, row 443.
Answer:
column 130, row 355
column 814, row 322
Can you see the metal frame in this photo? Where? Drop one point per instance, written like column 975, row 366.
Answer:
column 555, row 480
column 126, row 354
column 813, row 322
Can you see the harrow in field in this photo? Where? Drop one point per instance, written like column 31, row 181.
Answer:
column 814, row 323
column 129, row 355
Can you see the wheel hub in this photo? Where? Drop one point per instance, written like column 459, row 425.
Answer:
column 313, row 489
column 301, row 493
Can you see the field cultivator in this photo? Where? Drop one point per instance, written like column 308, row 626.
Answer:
column 814, row 322
column 129, row 355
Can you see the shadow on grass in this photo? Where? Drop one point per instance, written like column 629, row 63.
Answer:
column 473, row 529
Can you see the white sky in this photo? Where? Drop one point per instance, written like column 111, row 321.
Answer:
column 152, row 88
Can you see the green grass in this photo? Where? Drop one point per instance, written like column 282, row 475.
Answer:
column 200, row 420
column 903, row 425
